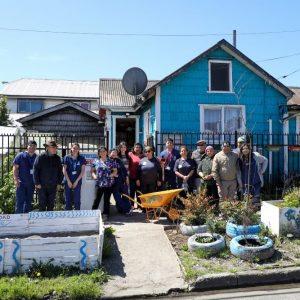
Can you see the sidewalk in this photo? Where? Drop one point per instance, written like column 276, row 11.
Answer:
column 143, row 261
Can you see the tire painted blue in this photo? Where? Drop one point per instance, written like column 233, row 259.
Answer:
column 212, row 248
column 190, row 230
column 252, row 253
column 233, row 230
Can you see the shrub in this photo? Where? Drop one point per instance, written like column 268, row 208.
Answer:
column 240, row 212
column 197, row 209
column 7, row 194
column 292, row 198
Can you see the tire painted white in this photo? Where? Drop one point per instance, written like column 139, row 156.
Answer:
column 212, row 248
column 190, row 230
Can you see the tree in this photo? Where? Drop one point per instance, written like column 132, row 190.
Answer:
column 4, row 113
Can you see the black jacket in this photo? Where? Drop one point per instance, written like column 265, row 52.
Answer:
column 47, row 170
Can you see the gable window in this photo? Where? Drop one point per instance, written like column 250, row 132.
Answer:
column 84, row 104
column 222, row 118
column 30, row 105
column 220, row 79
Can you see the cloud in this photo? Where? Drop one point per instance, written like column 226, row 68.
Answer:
column 49, row 58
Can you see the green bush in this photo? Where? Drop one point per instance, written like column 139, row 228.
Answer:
column 292, row 198
column 7, row 194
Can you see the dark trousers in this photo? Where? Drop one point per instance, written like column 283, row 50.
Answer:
column 133, row 188
column 24, row 196
column 46, row 198
column 148, row 187
column 212, row 192
column 106, row 191
column 122, row 203
column 72, row 195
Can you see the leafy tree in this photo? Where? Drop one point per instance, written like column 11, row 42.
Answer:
column 4, row 113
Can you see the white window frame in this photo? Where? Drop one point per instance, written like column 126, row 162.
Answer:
column 147, row 124
column 221, row 106
column 209, row 75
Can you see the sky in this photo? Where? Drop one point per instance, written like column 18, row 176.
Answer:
column 158, row 36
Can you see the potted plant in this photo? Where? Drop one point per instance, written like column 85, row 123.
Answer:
column 252, row 247
column 210, row 242
column 283, row 216
column 240, row 216
column 196, row 210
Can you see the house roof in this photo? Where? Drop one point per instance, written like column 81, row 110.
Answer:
column 112, row 94
column 295, row 100
column 52, row 88
column 57, row 108
column 223, row 44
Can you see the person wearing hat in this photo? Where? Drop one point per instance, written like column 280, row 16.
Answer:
column 226, row 172
column 198, row 155
column 23, row 178
column 240, row 142
column 48, row 176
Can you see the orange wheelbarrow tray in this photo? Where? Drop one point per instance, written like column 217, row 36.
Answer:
column 159, row 202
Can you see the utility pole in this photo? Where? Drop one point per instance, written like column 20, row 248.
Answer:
column 234, row 38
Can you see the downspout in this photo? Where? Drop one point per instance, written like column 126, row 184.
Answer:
column 285, row 143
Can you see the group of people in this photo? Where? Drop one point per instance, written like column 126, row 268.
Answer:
column 120, row 172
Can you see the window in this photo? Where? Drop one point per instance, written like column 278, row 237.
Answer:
column 30, row 105
column 147, row 124
column 222, row 118
column 220, row 76
column 85, row 105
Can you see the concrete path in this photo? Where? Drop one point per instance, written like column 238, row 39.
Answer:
column 143, row 261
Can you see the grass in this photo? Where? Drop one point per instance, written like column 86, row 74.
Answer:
column 81, row 286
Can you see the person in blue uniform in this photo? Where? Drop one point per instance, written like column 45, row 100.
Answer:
column 73, row 170
column 168, row 158
column 47, row 176
column 23, row 178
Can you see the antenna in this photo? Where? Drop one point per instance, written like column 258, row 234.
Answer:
column 134, row 81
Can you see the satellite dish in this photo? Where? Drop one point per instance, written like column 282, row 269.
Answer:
column 134, row 81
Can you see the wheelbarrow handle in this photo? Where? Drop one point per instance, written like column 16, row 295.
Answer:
column 139, row 204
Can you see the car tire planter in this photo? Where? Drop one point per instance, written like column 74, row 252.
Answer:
column 233, row 230
column 212, row 248
column 190, row 230
column 247, row 252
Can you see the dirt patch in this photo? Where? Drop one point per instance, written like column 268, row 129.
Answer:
column 287, row 254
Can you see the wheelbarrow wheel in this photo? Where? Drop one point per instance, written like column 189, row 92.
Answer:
column 173, row 214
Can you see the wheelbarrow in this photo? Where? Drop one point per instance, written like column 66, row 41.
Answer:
column 158, row 203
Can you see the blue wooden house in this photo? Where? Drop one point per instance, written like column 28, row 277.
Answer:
column 218, row 95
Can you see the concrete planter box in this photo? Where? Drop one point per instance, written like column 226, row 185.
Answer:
column 67, row 237
column 280, row 221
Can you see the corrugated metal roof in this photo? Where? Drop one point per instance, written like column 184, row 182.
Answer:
column 296, row 97
column 112, row 93
column 52, row 88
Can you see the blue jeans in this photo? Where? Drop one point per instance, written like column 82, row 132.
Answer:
column 75, row 194
column 24, row 196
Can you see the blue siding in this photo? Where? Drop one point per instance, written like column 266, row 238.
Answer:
column 181, row 96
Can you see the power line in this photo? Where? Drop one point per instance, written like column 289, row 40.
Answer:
column 279, row 57
column 144, row 34
column 285, row 76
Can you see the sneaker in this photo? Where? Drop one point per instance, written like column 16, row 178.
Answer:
column 129, row 213
column 104, row 218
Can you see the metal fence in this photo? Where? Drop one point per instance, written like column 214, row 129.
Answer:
column 10, row 145
column 282, row 150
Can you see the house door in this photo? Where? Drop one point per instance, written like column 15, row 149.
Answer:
column 126, row 131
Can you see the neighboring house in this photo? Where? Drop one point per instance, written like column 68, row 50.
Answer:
column 123, row 120
column 53, row 106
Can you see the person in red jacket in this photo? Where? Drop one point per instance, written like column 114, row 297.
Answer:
column 134, row 158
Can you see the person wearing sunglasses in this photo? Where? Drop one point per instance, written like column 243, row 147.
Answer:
column 149, row 174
